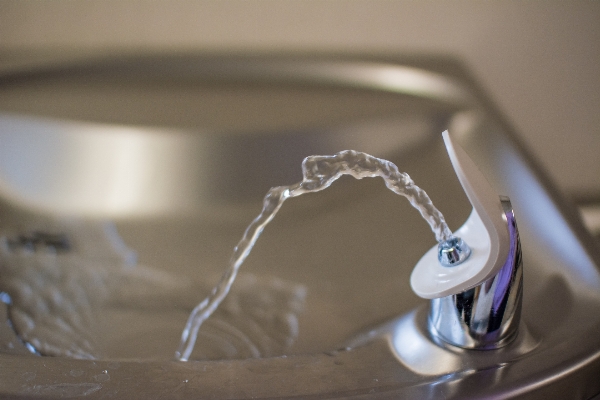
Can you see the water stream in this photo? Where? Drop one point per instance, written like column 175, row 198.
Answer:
column 319, row 172
column 73, row 288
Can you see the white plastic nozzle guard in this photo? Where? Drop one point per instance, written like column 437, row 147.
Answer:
column 485, row 231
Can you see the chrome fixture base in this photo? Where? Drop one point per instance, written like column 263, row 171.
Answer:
column 486, row 316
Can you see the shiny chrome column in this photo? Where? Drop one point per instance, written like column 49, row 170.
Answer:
column 486, row 316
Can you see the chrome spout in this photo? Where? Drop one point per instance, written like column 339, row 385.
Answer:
column 487, row 315
column 476, row 293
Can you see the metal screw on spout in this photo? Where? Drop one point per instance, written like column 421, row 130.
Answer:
column 453, row 252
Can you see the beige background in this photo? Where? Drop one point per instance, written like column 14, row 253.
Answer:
column 539, row 60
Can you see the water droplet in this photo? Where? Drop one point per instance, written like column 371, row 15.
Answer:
column 103, row 377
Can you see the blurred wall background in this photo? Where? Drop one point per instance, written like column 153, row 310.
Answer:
column 538, row 60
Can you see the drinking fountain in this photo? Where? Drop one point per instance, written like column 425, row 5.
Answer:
column 126, row 181
column 476, row 293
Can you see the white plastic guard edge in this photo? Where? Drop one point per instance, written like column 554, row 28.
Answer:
column 485, row 231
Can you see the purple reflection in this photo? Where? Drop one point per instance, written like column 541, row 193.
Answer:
column 506, row 274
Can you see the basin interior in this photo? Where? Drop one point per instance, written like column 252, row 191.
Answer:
column 179, row 173
column 125, row 186
column 337, row 261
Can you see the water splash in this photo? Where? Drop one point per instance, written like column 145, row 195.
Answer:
column 319, row 172
column 74, row 289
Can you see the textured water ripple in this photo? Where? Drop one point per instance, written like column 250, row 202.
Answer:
column 70, row 303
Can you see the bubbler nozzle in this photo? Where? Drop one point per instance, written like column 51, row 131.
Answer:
column 475, row 289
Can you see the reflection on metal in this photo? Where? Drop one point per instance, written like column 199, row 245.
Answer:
column 378, row 76
column 544, row 217
column 418, row 352
column 354, row 256
column 423, row 353
column 35, row 240
column 453, row 252
column 488, row 315
column 118, row 171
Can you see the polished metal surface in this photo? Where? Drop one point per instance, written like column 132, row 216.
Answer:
column 488, row 315
column 177, row 151
column 453, row 252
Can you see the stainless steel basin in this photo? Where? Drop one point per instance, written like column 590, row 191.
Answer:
column 175, row 153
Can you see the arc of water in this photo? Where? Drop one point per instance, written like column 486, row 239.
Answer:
column 319, row 172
